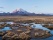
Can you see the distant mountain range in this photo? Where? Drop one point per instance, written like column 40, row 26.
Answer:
column 21, row 12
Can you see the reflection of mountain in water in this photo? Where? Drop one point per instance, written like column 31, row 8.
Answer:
column 21, row 12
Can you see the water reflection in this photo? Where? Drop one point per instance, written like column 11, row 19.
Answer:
column 49, row 38
column 39, row 26
column 0, row 38
column 6, row 28
column 7, row 22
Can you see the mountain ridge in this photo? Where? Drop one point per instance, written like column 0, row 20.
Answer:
column 21, row 12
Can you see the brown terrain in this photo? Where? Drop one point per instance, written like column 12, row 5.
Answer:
column 21, row 32
column 37, row 19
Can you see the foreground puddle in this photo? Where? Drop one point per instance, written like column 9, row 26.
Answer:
column 0, row 38
column 6, row 28
column 50, row 38
column 7, row 22
column 39, row 26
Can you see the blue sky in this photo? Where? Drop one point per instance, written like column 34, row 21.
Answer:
column 37, row 6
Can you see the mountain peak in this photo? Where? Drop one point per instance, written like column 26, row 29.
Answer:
column 19, row 10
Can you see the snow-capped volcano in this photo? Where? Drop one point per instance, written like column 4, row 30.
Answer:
column 19, row 10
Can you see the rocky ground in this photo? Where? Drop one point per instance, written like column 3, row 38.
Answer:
column 49, row 26
column 20, row 32
column 24, row 33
